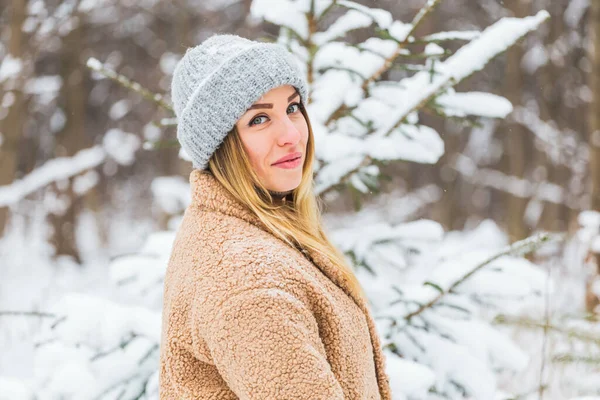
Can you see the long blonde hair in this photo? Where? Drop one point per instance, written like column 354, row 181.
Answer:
column 296, row 222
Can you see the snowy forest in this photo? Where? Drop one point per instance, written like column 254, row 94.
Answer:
column 458, row 163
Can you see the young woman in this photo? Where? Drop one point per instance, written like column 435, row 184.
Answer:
column 258, row 304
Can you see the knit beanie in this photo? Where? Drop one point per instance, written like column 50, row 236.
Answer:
column 216, row 82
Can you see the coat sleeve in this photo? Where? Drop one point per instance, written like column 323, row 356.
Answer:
column 265, row 344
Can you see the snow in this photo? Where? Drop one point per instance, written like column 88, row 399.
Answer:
column 493, row 40
column 13, row 389
column 43, row 84
column 102, row 340
column 329, row 95
column 474, row 103
column 467, row 60
column 589, row 219
column 54, row 170
column 343, row 56
column 84, row 182
column 453, row 35
column 172, row 193
column 399, row 30
column 535, row 57
column 382, row 18
column 282, row 12
column 351, row 20
column 94, row 64
column 167, row 62
column 10, row 67
column 408, row 377
column 99, row 323
column 121, row 146
column 8, row 100
column 119, row 109
column 433, row 49
column 57, row 121
column 575, row 11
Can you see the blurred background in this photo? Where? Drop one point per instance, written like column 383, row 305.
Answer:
column 90, row 166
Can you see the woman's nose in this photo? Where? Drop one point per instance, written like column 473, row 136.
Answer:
column 289, row 132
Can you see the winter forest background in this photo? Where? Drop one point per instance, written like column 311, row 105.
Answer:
column 458, row 146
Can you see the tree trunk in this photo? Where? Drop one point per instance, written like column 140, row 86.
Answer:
column 13, row 124
column 593, row 111
column 550, row 103
column 71, row 139
column 592, row 300
column 515, row 140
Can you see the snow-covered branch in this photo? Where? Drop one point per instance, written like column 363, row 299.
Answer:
column 518, row 248
column 519, row 187
column 526, row 322
column 158, row 98
column 27, row 314
column 54, row 170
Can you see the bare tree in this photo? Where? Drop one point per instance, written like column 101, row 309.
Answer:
column 594, row 115
column 72, row 138
column 13, row 124
column 593, row 260
column 515, row 136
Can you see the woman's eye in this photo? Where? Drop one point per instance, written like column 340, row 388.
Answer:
column 255, row 119
column 294, row 105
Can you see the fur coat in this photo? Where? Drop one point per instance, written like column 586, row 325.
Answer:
column 246, row 316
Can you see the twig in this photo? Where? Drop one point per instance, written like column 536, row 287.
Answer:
column 518, row 248
column 570, row 358
column 97, row 66
column 27, row 314
column 365, row 162
column 389, row 61
column 423, row 12
column 441, row 87
column 533, row 324
column 545, row 337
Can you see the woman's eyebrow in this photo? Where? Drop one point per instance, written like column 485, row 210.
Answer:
column 270, row 105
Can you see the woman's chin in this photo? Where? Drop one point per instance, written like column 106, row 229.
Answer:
column 284, row 182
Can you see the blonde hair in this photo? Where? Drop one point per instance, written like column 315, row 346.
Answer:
column 296, row 222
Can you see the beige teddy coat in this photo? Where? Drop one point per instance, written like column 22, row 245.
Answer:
column 246, row 316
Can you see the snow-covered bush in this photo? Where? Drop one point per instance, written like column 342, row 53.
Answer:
column 433, row 293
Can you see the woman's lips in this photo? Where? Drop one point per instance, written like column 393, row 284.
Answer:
column 289, row 164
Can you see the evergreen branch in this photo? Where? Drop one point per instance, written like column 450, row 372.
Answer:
column 408, row 67
column 115, row 385
column 516, row 186
column 389, row 61
column 365, row 162
column 297, row 35
column 148, row 354
column 124, row 343
column 431, row 4
column 167, row 122
column 97, row 66
column 517, row 249
column 570, row 358
column 367, row 159
column 27, row 314
column 349, row 70
column 325, row 11
column 533, row 324
column 161, row 144
column 441, row 87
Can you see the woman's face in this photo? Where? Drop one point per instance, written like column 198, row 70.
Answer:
column 271, row 129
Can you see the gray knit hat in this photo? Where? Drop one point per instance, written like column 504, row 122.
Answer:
column 216, row 82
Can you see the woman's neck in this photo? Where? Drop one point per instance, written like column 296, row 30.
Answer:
column 280, row 195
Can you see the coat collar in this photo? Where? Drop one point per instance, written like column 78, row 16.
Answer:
column 209, row 194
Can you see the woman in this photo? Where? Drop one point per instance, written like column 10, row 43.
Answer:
column 258, row 304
